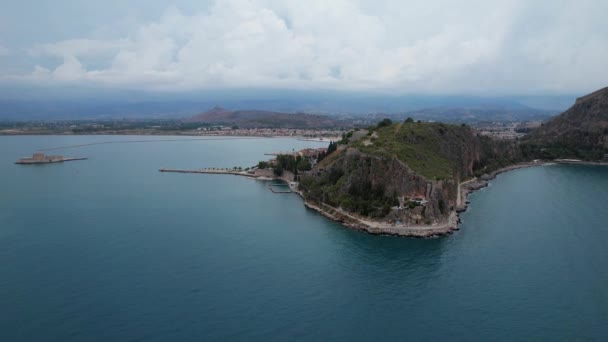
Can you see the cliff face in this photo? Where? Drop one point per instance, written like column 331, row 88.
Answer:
column 404, row 172
column 495, row 154
column 579, row 132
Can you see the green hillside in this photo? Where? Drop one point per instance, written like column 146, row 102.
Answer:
column 432, row 150
column 372, row 170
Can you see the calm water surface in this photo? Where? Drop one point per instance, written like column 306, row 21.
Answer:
column 110, row 249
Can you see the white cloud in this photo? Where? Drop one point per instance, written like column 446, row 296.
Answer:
column 79, row 48
column 405, row 46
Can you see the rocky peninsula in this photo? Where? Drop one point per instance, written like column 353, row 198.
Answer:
column 414, row 178
column 450, row 225
column 402, row 178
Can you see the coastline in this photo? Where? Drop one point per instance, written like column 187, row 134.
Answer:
column 258, row 174
column 379, row 228
column 337, row 214
column 579, row 162
column 324, row 139
column 483, row 181
column 350, row 220
column 422, row 231
column 472, row 185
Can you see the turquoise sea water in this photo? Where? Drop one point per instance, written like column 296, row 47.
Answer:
column 110, row 249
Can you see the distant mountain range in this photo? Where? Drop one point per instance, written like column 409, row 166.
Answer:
column 72, row 103
column 266, row 119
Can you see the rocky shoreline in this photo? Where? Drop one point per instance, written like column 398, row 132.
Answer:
column 422, row 231
column 385, row 229
column 370, row 226
column 484, row 181
column 382, row 228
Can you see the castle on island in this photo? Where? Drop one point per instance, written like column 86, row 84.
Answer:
column 41, row 158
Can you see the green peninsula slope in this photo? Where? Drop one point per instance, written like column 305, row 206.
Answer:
column 404, row 173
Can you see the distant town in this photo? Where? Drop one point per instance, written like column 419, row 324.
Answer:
column 504, row 130
column 156, row 127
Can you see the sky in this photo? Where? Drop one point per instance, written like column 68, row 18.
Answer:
column 397, row 46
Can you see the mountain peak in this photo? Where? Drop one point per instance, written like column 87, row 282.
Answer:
column 217, row 109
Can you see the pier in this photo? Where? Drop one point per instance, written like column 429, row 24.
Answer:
column 212, row 171
column 287, row 188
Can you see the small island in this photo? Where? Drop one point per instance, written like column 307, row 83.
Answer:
column 41, row 158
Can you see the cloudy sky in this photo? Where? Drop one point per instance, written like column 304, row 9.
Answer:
column 399, row 46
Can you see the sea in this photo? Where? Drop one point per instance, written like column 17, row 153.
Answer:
column 111, row 249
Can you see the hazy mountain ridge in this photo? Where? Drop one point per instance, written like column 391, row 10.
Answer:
column 76, row 103
column 266, row 119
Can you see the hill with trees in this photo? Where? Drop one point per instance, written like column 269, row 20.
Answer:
column 580, row 132
column 413, row 166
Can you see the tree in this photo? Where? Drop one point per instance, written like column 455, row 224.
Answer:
column 385, row 122
column 409, row 120
column 304, row 165
column 286, row 161
column 320, row 156
column 332, row 147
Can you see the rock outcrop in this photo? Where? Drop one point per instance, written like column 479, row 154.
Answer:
column 580, row 132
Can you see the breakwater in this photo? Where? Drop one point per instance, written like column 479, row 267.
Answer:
column 212, row 171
